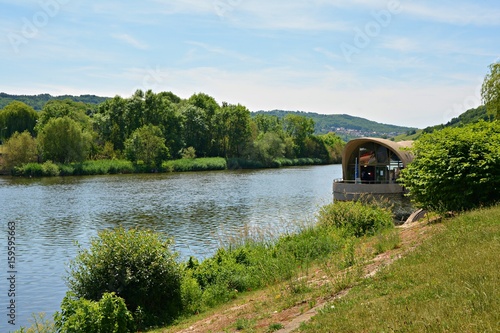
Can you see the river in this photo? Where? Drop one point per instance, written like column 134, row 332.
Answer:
column 200, row 210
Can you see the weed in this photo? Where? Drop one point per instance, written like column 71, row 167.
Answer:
column 275, row 327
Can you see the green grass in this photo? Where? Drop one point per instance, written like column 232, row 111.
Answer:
column 91, row 167
column 451, row 283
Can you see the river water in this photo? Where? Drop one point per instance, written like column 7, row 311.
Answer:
column 201, row 211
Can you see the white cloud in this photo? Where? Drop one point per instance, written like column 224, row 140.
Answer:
column 456, row 12
column 130, row 40
column 402, row 44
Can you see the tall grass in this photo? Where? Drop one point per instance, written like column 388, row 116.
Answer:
column 91, row 167
column 254, row 262
column 241, row 163
column 449, row 284
column 195, row 164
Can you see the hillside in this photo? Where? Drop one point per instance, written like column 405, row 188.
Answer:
column 411, row 287
column 344, row 125
column 468, row 117
column 38, row 101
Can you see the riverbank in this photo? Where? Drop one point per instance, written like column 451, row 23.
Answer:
column 104, row 167
column 442, row 276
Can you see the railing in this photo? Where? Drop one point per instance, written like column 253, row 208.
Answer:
column 342, row 181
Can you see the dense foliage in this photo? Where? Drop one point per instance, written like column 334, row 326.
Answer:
column 63, row 140
column 137, row 265
column 38, row 101
column 16, row 117
column 490, row 91
column 109, row 314
column 456, row 169
column 149, row 129
column 20, row 149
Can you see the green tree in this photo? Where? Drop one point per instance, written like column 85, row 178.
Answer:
column 210, row 108
column 110, row 123
column 21, row 148
column 76, row 111
column 196, row 129
column 63, row 140
column 299, row 128
column 268, row 147
column 455, row 169
column 267, row 123
column 334, row 145
column 232, row 128
column 17, row 117
column 160, row 111
column 490, row 90
column 147, row 145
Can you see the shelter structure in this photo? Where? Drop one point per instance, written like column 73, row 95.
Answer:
column 372, row 166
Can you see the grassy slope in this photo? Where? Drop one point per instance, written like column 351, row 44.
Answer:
column 450, row 284
column 447, row 281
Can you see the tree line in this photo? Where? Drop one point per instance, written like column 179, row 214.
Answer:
column 149, row 128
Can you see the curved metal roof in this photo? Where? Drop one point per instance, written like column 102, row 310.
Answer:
column 399, row 148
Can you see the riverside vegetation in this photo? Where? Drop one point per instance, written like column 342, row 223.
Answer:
column 446, row 282
column 150, row 131
column 132, row 278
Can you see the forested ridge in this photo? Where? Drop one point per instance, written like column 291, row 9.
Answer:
column 38, row 101
column 346, row 126
column 150, row 128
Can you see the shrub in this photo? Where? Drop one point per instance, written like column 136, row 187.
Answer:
column 147, row 144
column 191, row 294
column 188, row 153
column 29, row 170
column 38, row 325
column 49, row 168
column 355, row 218
column 20, row 149
column 137, row 265
column 456, row 169
column 109, row 315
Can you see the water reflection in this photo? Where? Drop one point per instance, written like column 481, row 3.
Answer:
column 200, row 210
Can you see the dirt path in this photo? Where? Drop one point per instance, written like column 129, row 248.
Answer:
column 259, row 307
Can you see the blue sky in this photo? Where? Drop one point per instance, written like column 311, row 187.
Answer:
column 412, row 63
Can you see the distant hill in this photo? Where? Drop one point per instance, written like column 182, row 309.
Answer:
column 346, row 126
column 468, row 117
column 38, row 101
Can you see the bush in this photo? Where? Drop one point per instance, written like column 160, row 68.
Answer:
column 50, row 169
column 29, row 170
column 241, row 163
column 20, row 149
column 455, row 169
column 108, row 315
column 147, row 144
column 137, row 265
column 355, row 218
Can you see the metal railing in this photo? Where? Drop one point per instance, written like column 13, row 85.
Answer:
column 342, row 181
